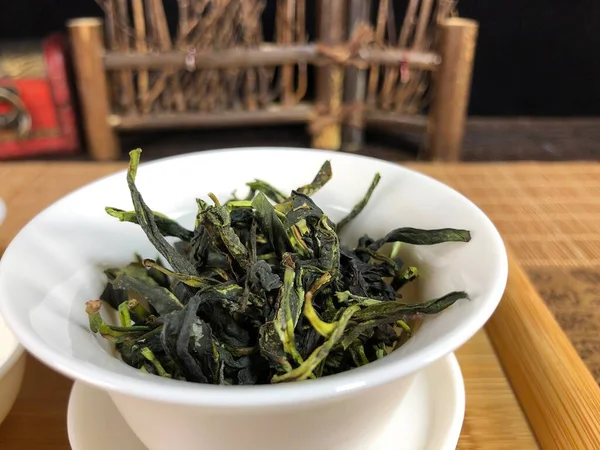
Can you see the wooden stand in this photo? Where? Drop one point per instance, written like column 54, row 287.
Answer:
column 208, row 74
column 452, row 85
column 86, row 37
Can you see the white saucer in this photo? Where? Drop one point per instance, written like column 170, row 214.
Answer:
column 430, row 417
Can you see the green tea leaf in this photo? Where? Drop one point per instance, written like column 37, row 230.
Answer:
column 261, row 275
column 288, row 313
column 146, row 221
column 301, row 207
column 161, row 299
column 329, row 245
column 266, row 189
column 190, row 280
column 272, row 348
column 396, row 310
column 270, row 225
column 320, row 180
column 217, row 222
column 305, row 369
column 260, row 292
column 360, row 205
column 416, row 236
column 167, row 227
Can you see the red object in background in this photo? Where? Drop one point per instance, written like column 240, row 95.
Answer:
column 36, row 107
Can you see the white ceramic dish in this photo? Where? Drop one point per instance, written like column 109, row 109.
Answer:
column 429, row 417
column 12, row 359
column 54, row 265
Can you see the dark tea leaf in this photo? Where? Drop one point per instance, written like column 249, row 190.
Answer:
column 161, row 299
column 360, row 205
column 261, row 290
column 145, row 218
column 422, row 237
column 166, row 226
column 320, row 180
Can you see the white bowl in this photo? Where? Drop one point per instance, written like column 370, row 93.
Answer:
column 12, row 360
column 55, row 265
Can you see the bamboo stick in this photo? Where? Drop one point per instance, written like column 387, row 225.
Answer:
column 287, row 33
column 405, row 92
column 183, row 26
column 87, row 46
column 301, row 39
column 379, row 39
column 127, row 98
column 267, row 55
column 355, row 82
column 330, row 78
column 275, row 115
column 391, row 73
column 157, row 11
column 558, row 394
column 143, row 78
column 113, row 45
column 390, row 119
column 452, row 84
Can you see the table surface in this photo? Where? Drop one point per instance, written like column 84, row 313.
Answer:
column 547, row 212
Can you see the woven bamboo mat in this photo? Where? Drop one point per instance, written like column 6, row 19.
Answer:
column 548, row 215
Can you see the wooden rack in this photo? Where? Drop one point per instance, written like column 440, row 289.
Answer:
column 132, row 75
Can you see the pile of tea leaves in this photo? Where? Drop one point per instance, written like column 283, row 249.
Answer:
column 261, row 291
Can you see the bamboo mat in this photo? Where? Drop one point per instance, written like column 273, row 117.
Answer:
column 545, row 212
column 548, row 214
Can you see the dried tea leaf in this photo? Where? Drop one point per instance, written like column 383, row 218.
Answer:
column 321, row 179
column 161, row 299
column 167, row 227
column 298, row 208
column 272, row 348
column 305, row 369
column 416, row 236
column 396, row 310
column 270, row 225
column 328, row 245
column 217, row 222
column 360, row 205
column 288, row 313
column 259, row 292
column 190, row 280
column 146, row 221
column 266, row 189
column 261, row 275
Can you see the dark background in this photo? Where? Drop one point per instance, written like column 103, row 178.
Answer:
column 534, row 57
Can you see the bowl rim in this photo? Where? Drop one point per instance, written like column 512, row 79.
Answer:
column 16, row 352
column 333, row 386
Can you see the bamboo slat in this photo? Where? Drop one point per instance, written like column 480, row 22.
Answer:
column 556, row 390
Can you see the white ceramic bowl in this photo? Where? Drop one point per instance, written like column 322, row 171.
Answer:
column 55, row 265
column 12, row 360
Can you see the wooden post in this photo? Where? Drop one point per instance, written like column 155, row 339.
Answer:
column 330, row 77
column 88, row 48
column 355, row 84
column 452, row 85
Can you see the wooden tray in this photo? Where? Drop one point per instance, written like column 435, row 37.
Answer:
column 553, row 389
